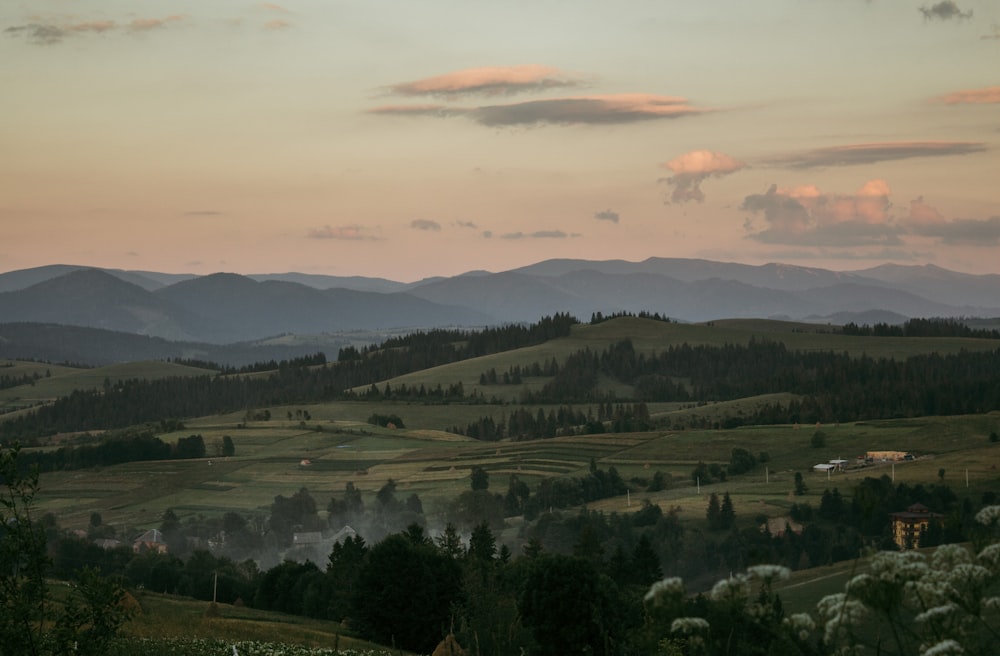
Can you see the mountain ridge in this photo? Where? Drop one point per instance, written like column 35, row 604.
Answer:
column 223, row 308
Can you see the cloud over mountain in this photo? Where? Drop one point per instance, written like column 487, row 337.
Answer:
column 693, row 168
column 806, row 216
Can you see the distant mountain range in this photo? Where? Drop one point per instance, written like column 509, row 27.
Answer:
column 226, row 308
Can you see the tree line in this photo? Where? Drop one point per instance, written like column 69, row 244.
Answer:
column 936, row 327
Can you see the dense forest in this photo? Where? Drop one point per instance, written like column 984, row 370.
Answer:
column 831, row 386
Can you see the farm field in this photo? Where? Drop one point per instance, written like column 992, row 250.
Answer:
column 270, row 460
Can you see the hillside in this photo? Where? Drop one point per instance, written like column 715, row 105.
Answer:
column 224, row 308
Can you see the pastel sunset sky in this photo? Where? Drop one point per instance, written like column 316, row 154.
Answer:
column 414, row 138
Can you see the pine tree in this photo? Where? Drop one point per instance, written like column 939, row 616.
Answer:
column 714, row 512
column 727, row 514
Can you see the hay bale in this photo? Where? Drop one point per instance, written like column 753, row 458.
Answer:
column 449, row 647
column 130, row 604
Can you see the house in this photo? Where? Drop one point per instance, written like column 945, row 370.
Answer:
column 344, row 533
column 886, row 456
column 306, row 538
column 776, row 526
column 908, row 525
column 151, row 540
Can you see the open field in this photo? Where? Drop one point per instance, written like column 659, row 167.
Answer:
column 167, row 616
column 341, row 448
column 64, row 380
column 650, row 336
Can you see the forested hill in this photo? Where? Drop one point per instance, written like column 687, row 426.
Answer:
column 831, row 386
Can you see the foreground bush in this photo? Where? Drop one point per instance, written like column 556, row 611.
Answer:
column 943, row 604
column 201, row 647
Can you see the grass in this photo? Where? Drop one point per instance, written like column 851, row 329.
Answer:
column 167, row 616
column 62, row 381
column 269, row 454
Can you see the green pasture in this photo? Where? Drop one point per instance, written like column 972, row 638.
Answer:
column 63, row 381
column 270, row 457
column 650, row 336
column 166, row 616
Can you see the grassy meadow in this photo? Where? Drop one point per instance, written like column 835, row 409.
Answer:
column 341, row 447
column 337, row 446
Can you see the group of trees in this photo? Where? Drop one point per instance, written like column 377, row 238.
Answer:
column 121, row 447
column 917, row 327
column 527, row 424
column 830, row 386
column 132, row 402
column 34, row 621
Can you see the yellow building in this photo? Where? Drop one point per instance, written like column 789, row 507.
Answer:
column 885, row 456
column 909, row 525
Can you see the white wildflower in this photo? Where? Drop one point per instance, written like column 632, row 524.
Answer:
column 949, row 555
column 990, row 556
column 898, row 566
column 839, row 614
column 968, row 576
column 672, row 586
column 947, row 647
column 688, row 625
column 859, row 584
column 801, row 624
column 988, row 516
column 731, row 588
column 937, row 613
column 769, row 572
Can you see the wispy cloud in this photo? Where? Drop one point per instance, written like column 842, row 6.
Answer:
column 53, row 31
column 419, row 110
column 693, row 168
column 488, row 80
column 146, row 24
column 582, row 110
column 972, row 96
column 425, row 224
column 606, row 109
column 607, row 215
column 870, row 153
column 275, row 7
column 277, row 24
column 945, row 10
column 345, row 233
column 203, row 213
column 466, row 224
column 540, row 234
column 964, row 232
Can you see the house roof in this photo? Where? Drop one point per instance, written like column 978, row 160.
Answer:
column 153, row 535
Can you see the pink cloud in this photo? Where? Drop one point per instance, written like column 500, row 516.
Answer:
column 346, row 233
column 923, row 214
column 599, row 109
column 145, row 24
column 93, row 26
column 693, row 168
column 870, row 153
column 277, row 24
column 488, row 80
column 805, row 215
column 273, row 7
column 986, row 95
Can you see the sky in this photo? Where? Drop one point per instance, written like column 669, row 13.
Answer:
column 407, row 139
